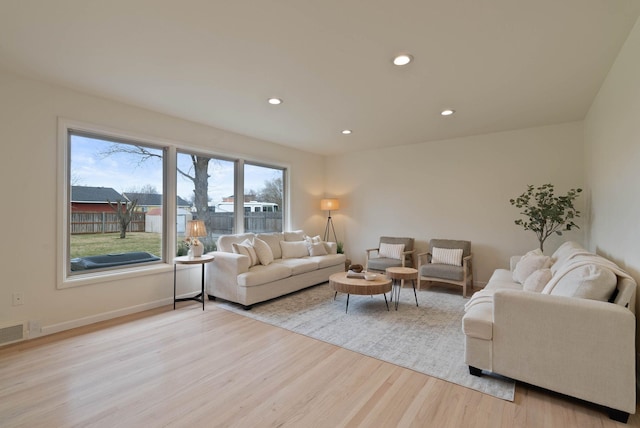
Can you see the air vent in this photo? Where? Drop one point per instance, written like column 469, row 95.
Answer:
column 12, row 333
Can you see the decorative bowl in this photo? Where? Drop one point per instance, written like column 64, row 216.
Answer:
column 356, row 268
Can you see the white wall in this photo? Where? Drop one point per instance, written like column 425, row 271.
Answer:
column 612, row 142
column 28, row 134
column 612, row 145
column 457, row 189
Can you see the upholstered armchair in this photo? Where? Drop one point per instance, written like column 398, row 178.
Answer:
column 448, row 261
column 391, row 252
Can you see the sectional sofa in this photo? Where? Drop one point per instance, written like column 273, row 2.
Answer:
column 251, row 268
column 565, row 323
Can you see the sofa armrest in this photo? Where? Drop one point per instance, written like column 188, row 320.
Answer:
column 579, row 347
column 222, row 274
column 423, row 259
column 371, row 250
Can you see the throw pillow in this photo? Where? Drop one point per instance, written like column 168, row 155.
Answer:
column 317, row 249
column 314, row 239
column 292, row 250
column 536, row 252
column 391, row 251
column 588, row 282
column 537, row 280
column 246, row 249
column 273, row 239
column 528, row 264
column 296, row 235
column 263, row 251
column 447, row 256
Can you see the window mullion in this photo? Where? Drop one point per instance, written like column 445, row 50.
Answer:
column 239, row 196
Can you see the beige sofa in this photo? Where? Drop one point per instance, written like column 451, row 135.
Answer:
column 280, row 263
column 569, row 328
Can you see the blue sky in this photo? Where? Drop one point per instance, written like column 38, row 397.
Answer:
column 123, row 171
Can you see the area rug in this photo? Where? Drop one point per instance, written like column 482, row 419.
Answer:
column 427, row 339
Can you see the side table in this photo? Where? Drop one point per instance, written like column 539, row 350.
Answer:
column 188, row 260
column 398, row 275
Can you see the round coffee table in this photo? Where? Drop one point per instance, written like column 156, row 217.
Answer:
column 398, row 275
column 360, row 286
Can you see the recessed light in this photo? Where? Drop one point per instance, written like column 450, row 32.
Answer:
column 346, row 131
column 447, row 112
column 274, row 101
column 403, row 59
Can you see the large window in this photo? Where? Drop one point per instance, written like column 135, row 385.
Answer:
column 115, row 207
column 117, row 210
column 263, row 198
column 208, row 184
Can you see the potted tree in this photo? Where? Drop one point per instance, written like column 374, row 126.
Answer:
column 546, row 213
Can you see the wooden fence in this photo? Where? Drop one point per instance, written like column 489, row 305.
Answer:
column 217, row 223
column 92, row 222
column 262, row 222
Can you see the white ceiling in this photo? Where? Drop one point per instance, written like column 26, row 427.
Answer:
column 501, row 64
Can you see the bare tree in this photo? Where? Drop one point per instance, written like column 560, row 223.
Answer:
column 199, row 174
column 76, row 180
column 272, row 191
column 148, row 189
column 124, row 210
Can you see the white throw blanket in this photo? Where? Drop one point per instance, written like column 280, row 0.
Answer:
column 482, row 296
column 573, row 262
column 583, row 260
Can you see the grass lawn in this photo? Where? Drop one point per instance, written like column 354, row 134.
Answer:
column 110, row 243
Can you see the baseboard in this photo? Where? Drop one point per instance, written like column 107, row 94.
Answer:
column 80, row 322
column 479, row 284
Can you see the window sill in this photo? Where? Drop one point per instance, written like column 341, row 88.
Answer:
column 79, row 280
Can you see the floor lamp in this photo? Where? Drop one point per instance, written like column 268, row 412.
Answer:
column 329, row 205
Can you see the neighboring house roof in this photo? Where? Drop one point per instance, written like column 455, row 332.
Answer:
column 90, row 194
column 152, row 199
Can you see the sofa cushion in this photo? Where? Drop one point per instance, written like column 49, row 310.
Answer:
column 273, row 240
column 588, row 282
column 391, row 251
column 225, row 242
column 260, row 274
column 382, row 263
column 501, row 275
column 537, row 280
column 263, row 251
column 447, row 256
column 295, row 235
column 246, row 249
column 439, row 270
column 502, row 279
column 528, row 264
column 298, row 265
column 294, row 249
column 328, row 260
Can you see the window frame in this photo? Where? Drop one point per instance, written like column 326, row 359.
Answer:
column 283, row 210
column 170, row 150
column 67, row 279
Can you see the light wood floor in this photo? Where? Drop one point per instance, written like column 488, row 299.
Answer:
column 189, row 368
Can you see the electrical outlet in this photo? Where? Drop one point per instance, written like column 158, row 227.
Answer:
column 35, row 328
column 18, row 299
